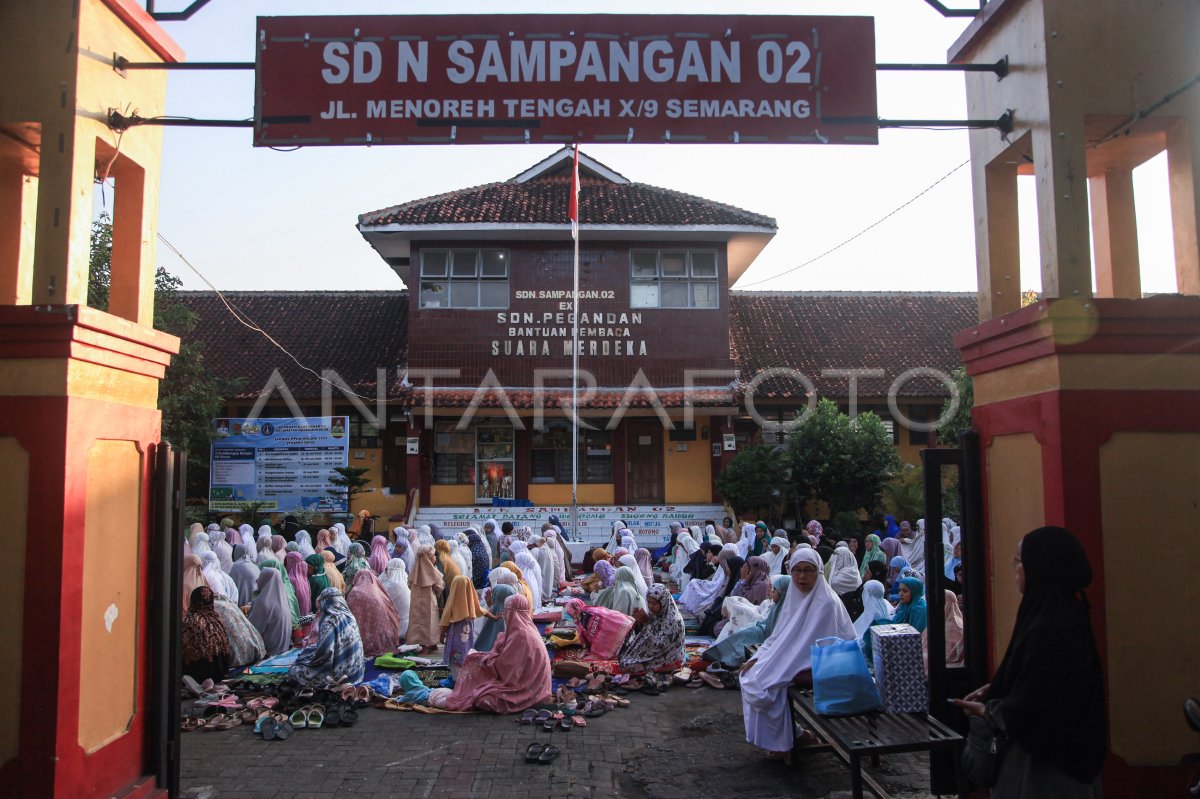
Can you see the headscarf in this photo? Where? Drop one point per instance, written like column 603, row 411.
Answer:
column 224, row 550
column 775, row 560
column 631, row 562
column 1050, row 684
column 446, row 562
column 803, row 620
column 356, row 527
column 379, row 554
column 732, row 650
column 844, row 577
column 462, row 603
column 244, row 572
column 297, row 571
column 279, row 547
column 193, row 578
column 337, row 656
column 660, row 642
column 875, row 607
column 493, row 627
column 336, row 580
column 524, row 586
column 915, row 611
column 642, row 556
column 318, row 580
column 623, row 595
column 324, row 540
column 599, row 554
column 562, row 556
column 891, row 547
column 378, row 621
column 395, row 582
column 265, row 552
column 245, row 644
column 757, row 545
column 220, row 582
column 746, row 541
column 874, row 552
column 952, row 615
column 406, row 547
column 481, row 559
column 461, row 554
column 204, row 636
column 270, row 613
column 426, row 574
column 606, row 572
column 545, row 560
column 288, row 590
column 199, row 544
column 355, row 560
column 913, row 549
column 533, row 575
column 341, row 541
column 890, row 529
column 755, row 588
column 304, row 543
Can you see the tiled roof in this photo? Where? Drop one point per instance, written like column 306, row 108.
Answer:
column 544, row 200
column 351, row 332
column 356, row 332
column 812, row 332
column 461, row 397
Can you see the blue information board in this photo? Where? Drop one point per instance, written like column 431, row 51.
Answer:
column 284, row 464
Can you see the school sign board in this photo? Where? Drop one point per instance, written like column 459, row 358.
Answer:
column 283, row 463
column 490, row 78
column 650, row 524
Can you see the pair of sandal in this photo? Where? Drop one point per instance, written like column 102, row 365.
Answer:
column 360, row 695
column 217, row 723
column 542, row 754
column 273, row 726
column 309, row 716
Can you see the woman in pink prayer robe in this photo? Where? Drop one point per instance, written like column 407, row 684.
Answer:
column 514, row 675
column 379, row 555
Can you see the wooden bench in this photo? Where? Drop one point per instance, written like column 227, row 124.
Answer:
column 852, row 738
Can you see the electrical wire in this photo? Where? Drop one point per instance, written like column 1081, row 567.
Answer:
column 860, row 233
column 244, row 319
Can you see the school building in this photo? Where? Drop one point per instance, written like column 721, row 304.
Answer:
column 679, row 372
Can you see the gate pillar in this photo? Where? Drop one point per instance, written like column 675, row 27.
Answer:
column 78, row 398
column 1086, row 400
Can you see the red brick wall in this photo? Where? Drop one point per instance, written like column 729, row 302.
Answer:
column 675, row 339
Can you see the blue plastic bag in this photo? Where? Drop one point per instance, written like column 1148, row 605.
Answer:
column 842, row 686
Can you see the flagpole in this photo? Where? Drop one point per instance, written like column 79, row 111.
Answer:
column 575, row 352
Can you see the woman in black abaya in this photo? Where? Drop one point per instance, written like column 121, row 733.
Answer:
column 1047, row 696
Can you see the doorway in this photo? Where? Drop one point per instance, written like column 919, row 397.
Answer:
column 644, row 459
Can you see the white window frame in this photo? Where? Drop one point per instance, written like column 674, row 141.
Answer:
column 660, row 280
column 462, row 283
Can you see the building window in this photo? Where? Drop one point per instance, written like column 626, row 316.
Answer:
column 924, row 414
column 464, row 278
column 453, row 454
column 550, row 454
column 674, row 279
column 363, row 434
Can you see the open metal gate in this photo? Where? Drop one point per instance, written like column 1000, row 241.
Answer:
column 166, row 581
column 946, row 682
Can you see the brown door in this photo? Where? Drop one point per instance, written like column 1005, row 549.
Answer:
column 644, row 455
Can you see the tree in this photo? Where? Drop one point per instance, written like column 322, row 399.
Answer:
column 756, row 479
column 840, row 460
column 189, row 396
column 947, row 433
column 349, row 483
column 904, row 494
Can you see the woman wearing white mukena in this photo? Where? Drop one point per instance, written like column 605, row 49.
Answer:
column 810, row 611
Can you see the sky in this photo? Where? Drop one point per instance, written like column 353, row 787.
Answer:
column 259, row 219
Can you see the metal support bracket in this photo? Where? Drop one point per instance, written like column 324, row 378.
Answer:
column 1004, row 123
column 119, row 122
column 121, row 64
column 1000, row 68
column 175, row 16
column 950, row 12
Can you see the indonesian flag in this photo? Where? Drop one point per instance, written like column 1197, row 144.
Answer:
column 573, row 213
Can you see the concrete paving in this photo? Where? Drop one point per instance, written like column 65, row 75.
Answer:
column 685, row 743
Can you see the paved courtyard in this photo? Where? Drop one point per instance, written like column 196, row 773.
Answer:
column 685, row 743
